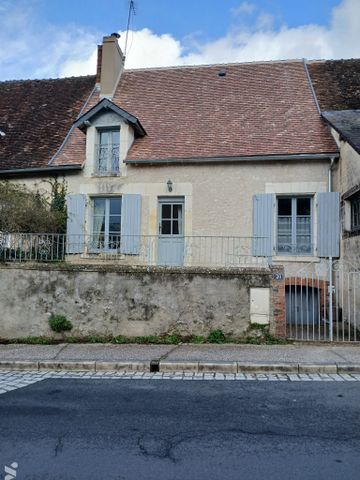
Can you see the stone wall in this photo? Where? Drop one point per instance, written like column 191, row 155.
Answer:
column 134, row 301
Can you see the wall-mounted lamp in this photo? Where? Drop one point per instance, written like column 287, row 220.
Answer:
column 169, row 184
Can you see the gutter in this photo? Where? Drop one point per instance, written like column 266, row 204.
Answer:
column 311, row 86
column 253, row 158
column 47, row 170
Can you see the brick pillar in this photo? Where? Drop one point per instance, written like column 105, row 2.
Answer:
column 278, row 311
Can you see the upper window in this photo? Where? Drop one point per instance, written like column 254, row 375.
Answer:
column 294, row 226
column 106, row 223
column 355, row 213
column 107, row 155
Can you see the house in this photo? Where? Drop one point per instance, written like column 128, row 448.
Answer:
column 337, row 86
column 202, row 165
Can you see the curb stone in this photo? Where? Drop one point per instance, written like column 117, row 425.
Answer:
column 178, row 366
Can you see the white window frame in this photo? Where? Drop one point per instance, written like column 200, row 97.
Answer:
column 294, row 251
column 107, row 234
column 110, row 147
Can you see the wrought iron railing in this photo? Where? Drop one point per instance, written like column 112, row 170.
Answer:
column 206, row 251
column 107, row 158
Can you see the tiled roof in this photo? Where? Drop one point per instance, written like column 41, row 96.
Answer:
column 347, row 123
column 336, row 83
column 35, row 116
column 255, row 109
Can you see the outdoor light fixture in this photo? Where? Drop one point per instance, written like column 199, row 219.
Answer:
column 169, row 185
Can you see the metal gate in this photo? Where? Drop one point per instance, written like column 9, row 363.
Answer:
column 325, row 306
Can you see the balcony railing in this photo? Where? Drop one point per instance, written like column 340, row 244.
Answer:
column 202, row 251
column 107, row 158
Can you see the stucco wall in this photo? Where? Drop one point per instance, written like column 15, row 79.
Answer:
column 218, row 197
column 129, row 301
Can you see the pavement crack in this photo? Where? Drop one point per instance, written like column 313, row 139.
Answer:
column 176, row 347
column 59, row 445
column 60, row 351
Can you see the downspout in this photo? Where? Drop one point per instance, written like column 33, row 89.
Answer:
column 331, row 283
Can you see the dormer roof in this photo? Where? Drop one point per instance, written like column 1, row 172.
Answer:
column 106, row 105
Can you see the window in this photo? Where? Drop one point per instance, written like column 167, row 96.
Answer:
column 108, row 151
column 294, row 225
column 106, row 223
column 355, row 213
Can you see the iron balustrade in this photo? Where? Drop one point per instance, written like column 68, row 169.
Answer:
column 206, row 251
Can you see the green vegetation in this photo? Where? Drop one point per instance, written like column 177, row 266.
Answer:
column 216, row 336
column 256, row 335
column 59, row 323
column 26, row 211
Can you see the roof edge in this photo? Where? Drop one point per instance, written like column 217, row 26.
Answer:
column 106, row 104
column 253, row 158
column 29, row 171
column 340, row 132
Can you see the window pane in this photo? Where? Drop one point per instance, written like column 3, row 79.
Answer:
column 303, row 206
column 104, row 138
column 99, row 206
column 177, row 211
column 166, row 211
column 114, row 225
column 166, row 227
column 115, row 137
column 115, row 206
column 284, row 206
column 176, row 227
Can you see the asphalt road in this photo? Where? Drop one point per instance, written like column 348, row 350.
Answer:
column 166, row 429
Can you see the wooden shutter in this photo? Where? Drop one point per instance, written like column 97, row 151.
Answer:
column 328, row 224
column 75, row 230
column 130, row 224
column 263, row 228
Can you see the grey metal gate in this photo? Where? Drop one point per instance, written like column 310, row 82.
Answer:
column 324, row 307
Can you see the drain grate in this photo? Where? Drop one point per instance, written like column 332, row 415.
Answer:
column 154, row 366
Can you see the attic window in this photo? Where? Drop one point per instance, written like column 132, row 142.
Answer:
column 107, row 158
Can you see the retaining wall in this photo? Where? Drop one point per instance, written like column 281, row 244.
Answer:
column 137, row 301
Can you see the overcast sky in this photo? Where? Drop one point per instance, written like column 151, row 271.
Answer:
column 57, row 38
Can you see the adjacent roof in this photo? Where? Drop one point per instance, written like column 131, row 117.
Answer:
column 347, row 123
column 35, row 116
column 255, row 109
column 105, row 105
column 336, row 83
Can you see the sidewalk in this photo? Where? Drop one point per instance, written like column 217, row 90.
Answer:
column 226, row 358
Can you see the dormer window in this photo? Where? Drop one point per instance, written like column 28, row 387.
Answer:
column 107, row 151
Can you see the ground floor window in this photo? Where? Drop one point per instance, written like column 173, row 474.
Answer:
column 355, row 213
column 294, row 225
column 106, row 223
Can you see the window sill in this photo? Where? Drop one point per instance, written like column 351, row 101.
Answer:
column 107, row 174
column 296, row 258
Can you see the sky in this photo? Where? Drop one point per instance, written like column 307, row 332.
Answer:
column 58, row 38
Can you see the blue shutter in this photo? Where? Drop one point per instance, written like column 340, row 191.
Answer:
column 263, row 229
column 130, row 224
column 328, row 224
column 75, row 230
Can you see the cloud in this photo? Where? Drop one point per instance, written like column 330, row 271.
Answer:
column 244, row 7
column 34, row 50
column 51, row 51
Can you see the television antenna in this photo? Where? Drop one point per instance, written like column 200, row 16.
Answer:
column 131, row 12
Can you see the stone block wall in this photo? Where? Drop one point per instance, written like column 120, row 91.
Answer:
column 134, row 301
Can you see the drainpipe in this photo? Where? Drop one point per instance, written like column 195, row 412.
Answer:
column 331, row 286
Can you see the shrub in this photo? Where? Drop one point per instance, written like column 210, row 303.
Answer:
column 216, row 336
column 59, row 323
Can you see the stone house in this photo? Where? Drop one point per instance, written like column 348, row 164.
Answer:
column 337, row 86
column 217, row 164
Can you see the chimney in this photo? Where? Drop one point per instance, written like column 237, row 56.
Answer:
column 110, row 65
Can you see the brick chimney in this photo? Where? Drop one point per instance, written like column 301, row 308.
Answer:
column 110, row 65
